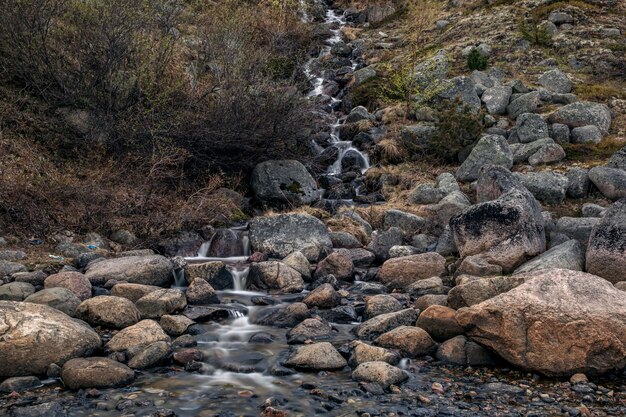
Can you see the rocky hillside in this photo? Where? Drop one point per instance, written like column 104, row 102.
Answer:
column 444, row 235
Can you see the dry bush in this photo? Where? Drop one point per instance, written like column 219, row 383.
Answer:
column 348, row 225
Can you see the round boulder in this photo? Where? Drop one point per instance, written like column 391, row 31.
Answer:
column 82, row 373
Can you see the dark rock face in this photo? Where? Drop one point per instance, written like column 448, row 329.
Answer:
column 606, row 253
column 284, row 182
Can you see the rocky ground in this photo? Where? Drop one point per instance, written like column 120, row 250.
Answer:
column 495, row 286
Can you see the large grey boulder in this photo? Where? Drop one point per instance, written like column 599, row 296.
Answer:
column 148, row 270
column 33, row 336
column 531, row 127
column 16, row 291
column 559, row 322
column 284, row 182
column 523, row 151
column 586, row 134
column 524, row 103
column 567, row 255
column 497, row 98
column 549, row 153
column 60, row 298
column 578, row 182
column 578, row 228
column 547, row 187
column 408, row 223
column 606, row 253
column 583, row 113
column 506, row 228
column 383, row 323
column 490, row 150
column 618, row 160
column 462, row 89
column 610, row 181
column 556, row 81
column 281, row 235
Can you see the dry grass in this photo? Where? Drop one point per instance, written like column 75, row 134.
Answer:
column 348, row 225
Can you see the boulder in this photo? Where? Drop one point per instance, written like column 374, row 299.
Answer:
column 425, row 301
column 81, row 373
column 583, row 113
column 478, row 290
column 339, row 264
column 60, row 298
column 135, row 338
column 383, row 323
column 408, row 223
column 618, row 160
column 439, row 322
column 606, row 253
column 432, row 285
column 158, row 303
column 531, row 127
column 462, row 89
column 108, row 311
column 148, row 270
column 379, row 372
column 490, row 150
column 426, row 193
column 547, row 187
column 362, row 352
column 496, row 99
column 578, row 228
column 382, row 242
column 552, row 152
column 284, row 234
column 567, row 255
column 274, row 276
column 285, row 182
column 399, row 273
column 610, row 181
column 132, row 292
column 449, row 206
column 282, row 316
column 523, row 151
column 461, row 351
column 410, row 341
column 33, row 336
column 477, row 266
column 586, row 134
column 555, row 80
column 313, row 329
column 175, row 325
column 150, row 356
column 524, row 103
column 201, row 292
column 215, row 273
column 317, row 356
column 8, row 268
column 380, row 304
column 16, row 291
column 323, row 296
column 300, row 263
column 578, row 182
column 76, row 282
column 559, row 322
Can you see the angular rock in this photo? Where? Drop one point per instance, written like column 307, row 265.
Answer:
column 274, row 276
column 175, row 325
column 323, row 296
column 618, row 160
column 524, row 103
column 382, row 242
column 547, row 154
column 583, row 113
column 531, row 127
column 215, row 273
column 60, row 298
column 201, row 292
column 568, row 255
column 284, row 182
column 33, row 336
column 610, row 181
column 158, row 303
column 490, row 150
column 496, row 99
column 150, row 356
column 478, row 290
column 339, row 264
column 132, row 292
column 578, row 228
column 312, row 329
column 547, row 187
column 559, row 322
column 300, row 263
column 461, row 351
column 439, row 322
column 383, row 323
column 578, row 182
column 408, row 223
column 555, row 80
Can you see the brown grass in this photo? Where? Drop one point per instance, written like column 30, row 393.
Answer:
column 348, row 225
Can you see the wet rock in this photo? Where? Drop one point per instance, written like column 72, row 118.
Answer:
column 524, row 103
column 583, row 114
column 151, row 356
column 16, row 291
column 383, row 323
column 281, row 235
column 33, row 336
column 555, row 80
column 380, row 304
column 201, row 292
column 81, row 373
column 547, row 187
column 568, row 255
column 496, row 99
column 578, row 182
column 478, row 290
column 284, row 182
column 183, row 244
column 610, row 181
column 310, row 329
column 74, row 281
column 108, row 311
column 461, row 351
column 606, row 254
column 439, row 322
column 382, row 242
column 300, row 263
column 147, row 270
column 60, row 298
column 175, row 325
column 19, row 384
column 490, row 150
column 158, row 303
column 379, row 372
column 261, row 338
column 323, row 296
column 132, row 292
column 203, row 314
column 316, row 356
column 410, row 341
column 188, row 356
column 135, row 338
column 362, row 352
column 544, row 337
column 225, row 243
column 282, row 316
column 215, row 273
column 49, row 409
column 402, row 272
column 274, row 276
column 586, row 134
column 339, row 264
column 409, row 224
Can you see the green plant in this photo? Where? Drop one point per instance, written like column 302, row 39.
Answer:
column 455, row 130
column 476, row 61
